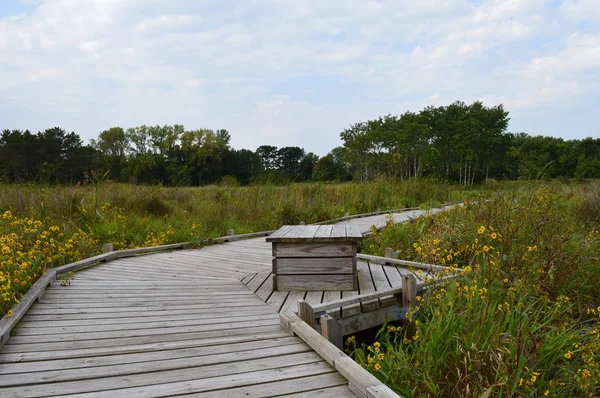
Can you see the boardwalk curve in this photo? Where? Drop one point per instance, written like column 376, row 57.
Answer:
column 192, row 322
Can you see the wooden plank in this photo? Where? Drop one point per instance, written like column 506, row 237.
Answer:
column 258, row 280
column 266, row 288
column 290, row 235
column 276, row 299
column 315, row 282
column 153, row 366
column 333, row 392
column 279, row 233
column 381, row 282
column 158, row 353
column 353, row 233
column 88, row 352
column 84, row 317
column 367, row 287
column 341, row 249
column 133, row 332
column 26, row 330
column 393, row 261
column 354, row 299
column 247, row 278
column 324, row 232
column 338, row 234
column 315, row 297
column 144, row 339
column 186, row 380
column 328, row 385
column 308, row 233
column 310, row 266
column 41, row 322
column 366, row 320
column 329, row 296
column 291, row 302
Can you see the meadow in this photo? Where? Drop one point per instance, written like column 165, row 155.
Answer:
column 523, row 318
column 43, row 227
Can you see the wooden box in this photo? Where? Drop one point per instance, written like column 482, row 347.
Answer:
column 314, row 257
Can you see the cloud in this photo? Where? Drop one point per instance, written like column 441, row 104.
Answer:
column 581, row 10
column 167, row 22
column 269, row 70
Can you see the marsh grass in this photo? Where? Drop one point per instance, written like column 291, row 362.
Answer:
column 85, row 217
column 524, row 317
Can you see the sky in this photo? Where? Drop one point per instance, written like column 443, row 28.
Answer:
column 295, row 72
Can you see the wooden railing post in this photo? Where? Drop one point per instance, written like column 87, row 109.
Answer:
column 409, row 290
column 332, row 330
column 390, row 253
column 107, row 247
column 306, row 313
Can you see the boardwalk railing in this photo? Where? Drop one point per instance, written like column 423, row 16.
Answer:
column 329, row 320
column 361, row 382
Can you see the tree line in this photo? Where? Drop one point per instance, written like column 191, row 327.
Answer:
column 465, row 143
column 168, row 155
column 459, row 142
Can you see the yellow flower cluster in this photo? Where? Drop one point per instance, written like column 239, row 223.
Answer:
column 28, row 248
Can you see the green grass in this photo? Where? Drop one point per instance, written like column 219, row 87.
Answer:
column 523, row 319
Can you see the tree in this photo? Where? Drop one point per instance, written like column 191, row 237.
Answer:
column 269, row 156
column 113, row 144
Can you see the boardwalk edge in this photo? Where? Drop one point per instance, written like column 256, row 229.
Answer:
column 361, row 382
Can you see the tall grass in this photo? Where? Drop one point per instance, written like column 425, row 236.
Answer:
column 524, row 317
column 43, row 227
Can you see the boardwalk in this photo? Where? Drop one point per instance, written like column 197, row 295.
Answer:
column 195, row 322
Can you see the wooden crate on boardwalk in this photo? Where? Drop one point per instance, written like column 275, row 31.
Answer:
column 315, row 257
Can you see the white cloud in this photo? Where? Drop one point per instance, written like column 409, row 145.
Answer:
column 167, row 22
column 581, row 10
column 256, row 67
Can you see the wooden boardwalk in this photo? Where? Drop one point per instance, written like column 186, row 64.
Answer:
column 194, row 322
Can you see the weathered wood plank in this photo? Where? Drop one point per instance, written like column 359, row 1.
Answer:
column 147, row 339
column 185, row 380
column 311, row 266
column 324, row 232
column 347, row 300
column 97, row 352
column 353, row 233
column 308, row 233
column 154, row 366
column 27, row 330
column 367, row 287
column 314, row 249
column 315, row 282
column 120, row 334
column 276, row 300
column 328, row 385
column 279, row 233
column 290, row 235
column 334, row 392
